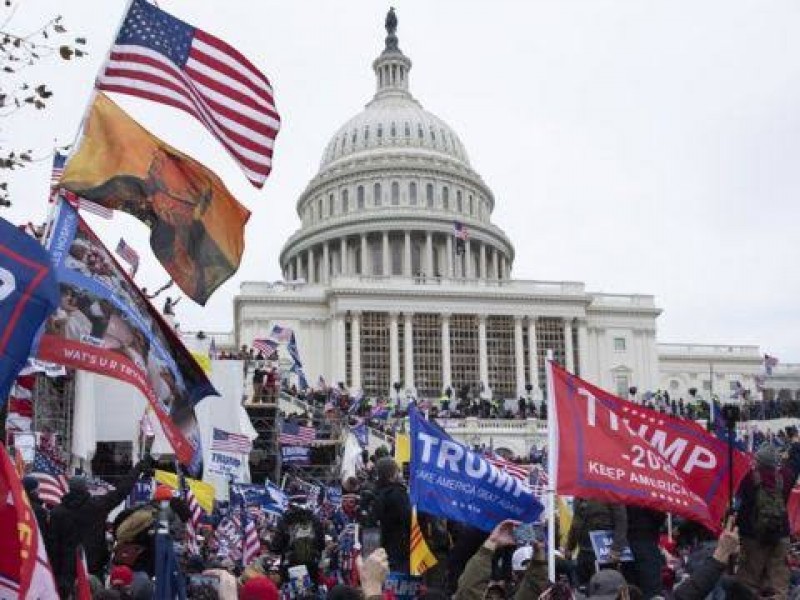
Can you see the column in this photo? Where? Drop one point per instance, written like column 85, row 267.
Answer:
column 394, row 350
column 583, row 351
column 448, row 259
column 447, row 376
column 408, row 351
column 483, row 260
column 483, row 357
column 387, row 263
column 310, row 253
column 496, row 263
column 326, row 263
column 519, row 358
column 429, row 254
column 365, row 266
column 355, row 348
column 343, row 256
column 338, row 349
column 568, row 345
column 468, row 260
column 407, row 254
column 533, row 354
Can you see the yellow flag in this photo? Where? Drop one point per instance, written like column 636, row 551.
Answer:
column 204, row 361
column 204, row 492
column 422, row 558
column 402, row 448
column 564, row 520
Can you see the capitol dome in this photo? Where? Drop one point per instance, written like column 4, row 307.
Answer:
column 393, row 184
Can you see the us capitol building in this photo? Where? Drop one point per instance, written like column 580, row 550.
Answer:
column 379, row 290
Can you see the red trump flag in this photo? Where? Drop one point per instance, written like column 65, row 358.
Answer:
column 621, row 452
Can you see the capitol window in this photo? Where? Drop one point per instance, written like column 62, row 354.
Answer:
column 420, row 135
column 360, row 196
column 471, row 205
column 355, row 137
column 366, row 134
column 345, row 201
column 412, row 193
column 444, row 139
column 446, row 198
column 393, row 131
column 433, row 135
column 408, row 130
column 319, row 209
column 395, row 193
column 459, row 202
column 330, row 205
column 429, row 194
column 619, row 344
column 380, row 131
column 376, row 194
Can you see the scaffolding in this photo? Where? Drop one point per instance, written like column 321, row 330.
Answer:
column 54, row 401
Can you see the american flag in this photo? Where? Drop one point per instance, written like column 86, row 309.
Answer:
column 380, row 410
column 251, row 546
column 460, row 231
column 161, row 58
column 293, row 434
column 282, row 334
column 266, row 347
column 222, row 441
column 59, row 160
column 52, row 479
column 130, row 255
column 521, row 472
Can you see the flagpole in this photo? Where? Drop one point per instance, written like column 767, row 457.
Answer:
column 87, row 109
column 552, row 451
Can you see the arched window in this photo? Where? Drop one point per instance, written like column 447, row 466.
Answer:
column 376, row 194
column 459, row 202
column 360, row 197
column 446, row 198
column 395, row 193
column 345, row 201
column 319, row 209
column 471, row 206
column 429, row 195
column 393, row 130
column 330, row 205
column 412, row 193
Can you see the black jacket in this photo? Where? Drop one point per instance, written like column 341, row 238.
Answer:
column 701, row 582
column 80, row 519
column 392, row 511
column 593, row 515
column 644, row 524
column 282, row 536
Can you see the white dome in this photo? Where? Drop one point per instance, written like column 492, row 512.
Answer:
column 396, row 121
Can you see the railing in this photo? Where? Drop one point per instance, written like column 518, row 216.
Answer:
column 708, row 350
column 494, row 426
column 624, row 300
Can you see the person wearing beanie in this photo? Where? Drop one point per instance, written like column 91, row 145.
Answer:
column 258, row 588
column 391, row 510
column 80, row 519
column 763, row 522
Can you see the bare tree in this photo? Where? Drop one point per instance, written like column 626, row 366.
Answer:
column 18, row 92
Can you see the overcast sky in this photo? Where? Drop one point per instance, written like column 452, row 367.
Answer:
column 639, row 146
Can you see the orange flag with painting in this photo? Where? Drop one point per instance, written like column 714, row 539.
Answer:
column 197, row 226
column 422, row 558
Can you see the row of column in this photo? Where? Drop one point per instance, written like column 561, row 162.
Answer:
column 303, row 265
column 408, row 350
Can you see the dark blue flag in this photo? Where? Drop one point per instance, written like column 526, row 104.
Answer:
column 28, row 294
column 362, row 434
column 451, row 481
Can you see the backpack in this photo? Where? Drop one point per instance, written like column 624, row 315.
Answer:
column 769, row 524
column 302, row 547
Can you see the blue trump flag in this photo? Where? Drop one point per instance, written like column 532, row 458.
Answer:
column 28, row 294
column 449, row 480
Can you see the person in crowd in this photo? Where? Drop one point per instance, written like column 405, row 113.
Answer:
column 644, row 529
column 31, row 486
column 391, row 510
column 300, row 539
column 80, row 520
column 592, row 515
column 764, row 523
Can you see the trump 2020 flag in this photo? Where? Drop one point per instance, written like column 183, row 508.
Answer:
column 28, row 294
column 105, row 325
column 449, row 480
column 617, row 451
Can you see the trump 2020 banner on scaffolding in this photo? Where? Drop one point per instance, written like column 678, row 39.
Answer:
column 105, row 325
column 449, row 480
column 613, row 450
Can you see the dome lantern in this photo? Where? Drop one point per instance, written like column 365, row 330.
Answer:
column 392, row 66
